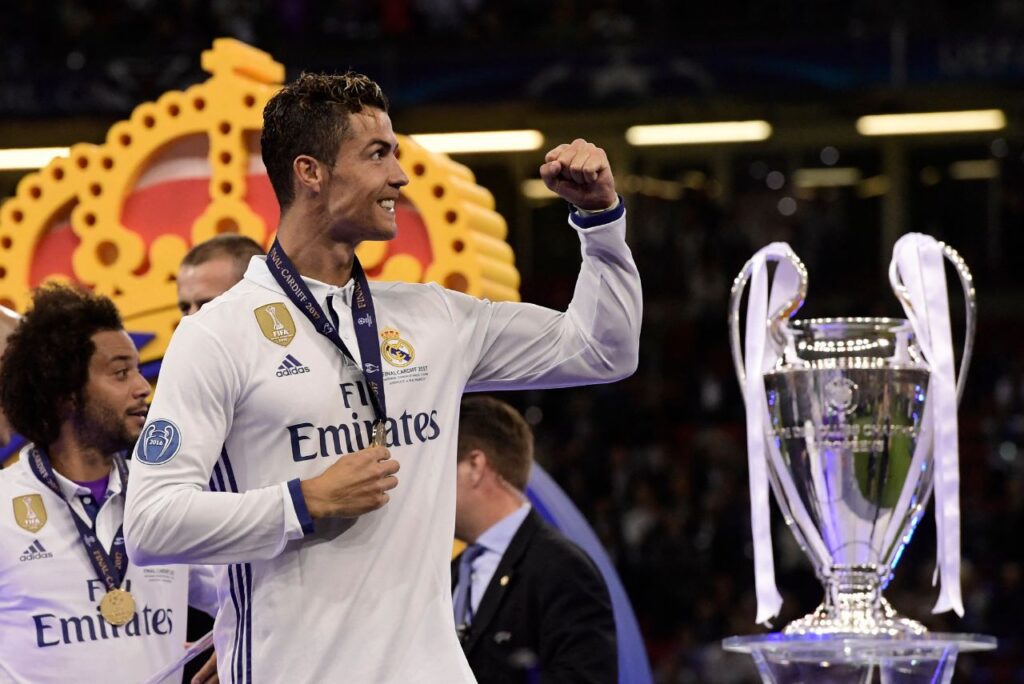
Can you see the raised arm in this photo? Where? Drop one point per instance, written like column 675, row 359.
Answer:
column 512, row 346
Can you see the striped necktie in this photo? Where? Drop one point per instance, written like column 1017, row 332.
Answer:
column 463, row 599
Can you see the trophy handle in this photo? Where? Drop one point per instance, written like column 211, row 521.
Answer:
column 775, row 318
column 970, row 306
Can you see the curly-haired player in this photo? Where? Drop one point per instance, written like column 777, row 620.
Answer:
column 70, row 600
column 44, row 372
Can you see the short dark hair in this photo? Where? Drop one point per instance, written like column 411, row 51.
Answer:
column 310, row 116
column 47, row 358
column 497, row 429
column 238, row 248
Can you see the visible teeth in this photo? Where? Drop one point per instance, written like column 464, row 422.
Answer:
column 388, row 204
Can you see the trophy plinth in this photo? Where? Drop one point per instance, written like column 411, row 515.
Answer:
column 833, row 659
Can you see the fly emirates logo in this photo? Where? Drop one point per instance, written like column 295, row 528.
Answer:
column 308, row 441
column 60, row 630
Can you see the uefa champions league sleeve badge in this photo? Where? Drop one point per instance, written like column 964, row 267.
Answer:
column 159, row 442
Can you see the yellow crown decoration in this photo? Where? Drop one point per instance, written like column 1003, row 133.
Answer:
column 89, row 189
column 389, row 334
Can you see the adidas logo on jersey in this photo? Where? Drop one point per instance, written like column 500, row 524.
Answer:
column 35, row 552
column 291, row 366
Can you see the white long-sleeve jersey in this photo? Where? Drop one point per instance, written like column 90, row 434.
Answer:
column 50, row 626
column 252, row 399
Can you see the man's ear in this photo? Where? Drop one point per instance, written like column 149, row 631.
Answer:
column 478, row 466
column 309, row 173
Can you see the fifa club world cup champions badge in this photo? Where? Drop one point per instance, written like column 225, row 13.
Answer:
column 852, row 422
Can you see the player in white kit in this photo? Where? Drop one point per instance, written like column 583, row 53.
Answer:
column 285, row 406
column 72, row 606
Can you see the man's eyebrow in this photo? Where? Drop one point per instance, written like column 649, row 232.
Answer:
column 382, row 142
column 122, row 357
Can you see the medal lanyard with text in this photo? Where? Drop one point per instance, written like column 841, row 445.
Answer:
column 109, row 566
column 364, row 321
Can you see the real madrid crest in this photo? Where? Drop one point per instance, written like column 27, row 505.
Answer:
column 396, row 351
column 29, row 512
column 276, row 323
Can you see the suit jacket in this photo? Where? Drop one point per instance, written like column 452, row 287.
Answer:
column 546, row 615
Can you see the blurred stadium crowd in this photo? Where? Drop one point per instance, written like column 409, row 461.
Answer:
column 104, row 56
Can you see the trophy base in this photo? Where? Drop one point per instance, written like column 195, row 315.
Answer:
column 834, row 659
column 868, row 617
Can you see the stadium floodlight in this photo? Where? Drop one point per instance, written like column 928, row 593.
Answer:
column 699, row 133
column 974, row 169
column 18, row 158
column 481, row 141
column 926, row 123
column 831, row 177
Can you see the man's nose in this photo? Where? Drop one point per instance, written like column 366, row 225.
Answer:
column 143, row 389
column 398, row 177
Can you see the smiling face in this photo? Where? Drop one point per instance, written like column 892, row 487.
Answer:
column 359, row 192
column 114, row 406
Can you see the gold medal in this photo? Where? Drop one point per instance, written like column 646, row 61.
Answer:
column 378, row 434
column 117, row 607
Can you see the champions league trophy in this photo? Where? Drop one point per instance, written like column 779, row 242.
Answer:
column 853, row 422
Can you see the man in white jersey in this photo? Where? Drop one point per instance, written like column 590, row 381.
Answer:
column 71, row 603
column 206, row 272
column 294, row 396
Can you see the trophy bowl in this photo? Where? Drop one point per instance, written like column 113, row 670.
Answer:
column 846, row 403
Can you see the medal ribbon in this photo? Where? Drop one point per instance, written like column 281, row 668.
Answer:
column 110, row 566
column 918, row 265
column 364, row 319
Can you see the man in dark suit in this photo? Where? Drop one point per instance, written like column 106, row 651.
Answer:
column 530, row 606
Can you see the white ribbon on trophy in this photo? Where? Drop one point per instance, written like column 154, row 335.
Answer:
column 760, row 356
column 918, row 271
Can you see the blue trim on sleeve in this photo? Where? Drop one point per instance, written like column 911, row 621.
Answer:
column 599, row 219
column 236, row 650
column 248, row 619
column 299, row 501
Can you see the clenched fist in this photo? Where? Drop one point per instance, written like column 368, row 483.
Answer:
column 580, row 174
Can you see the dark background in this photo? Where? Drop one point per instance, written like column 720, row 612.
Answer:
column 657, row 463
